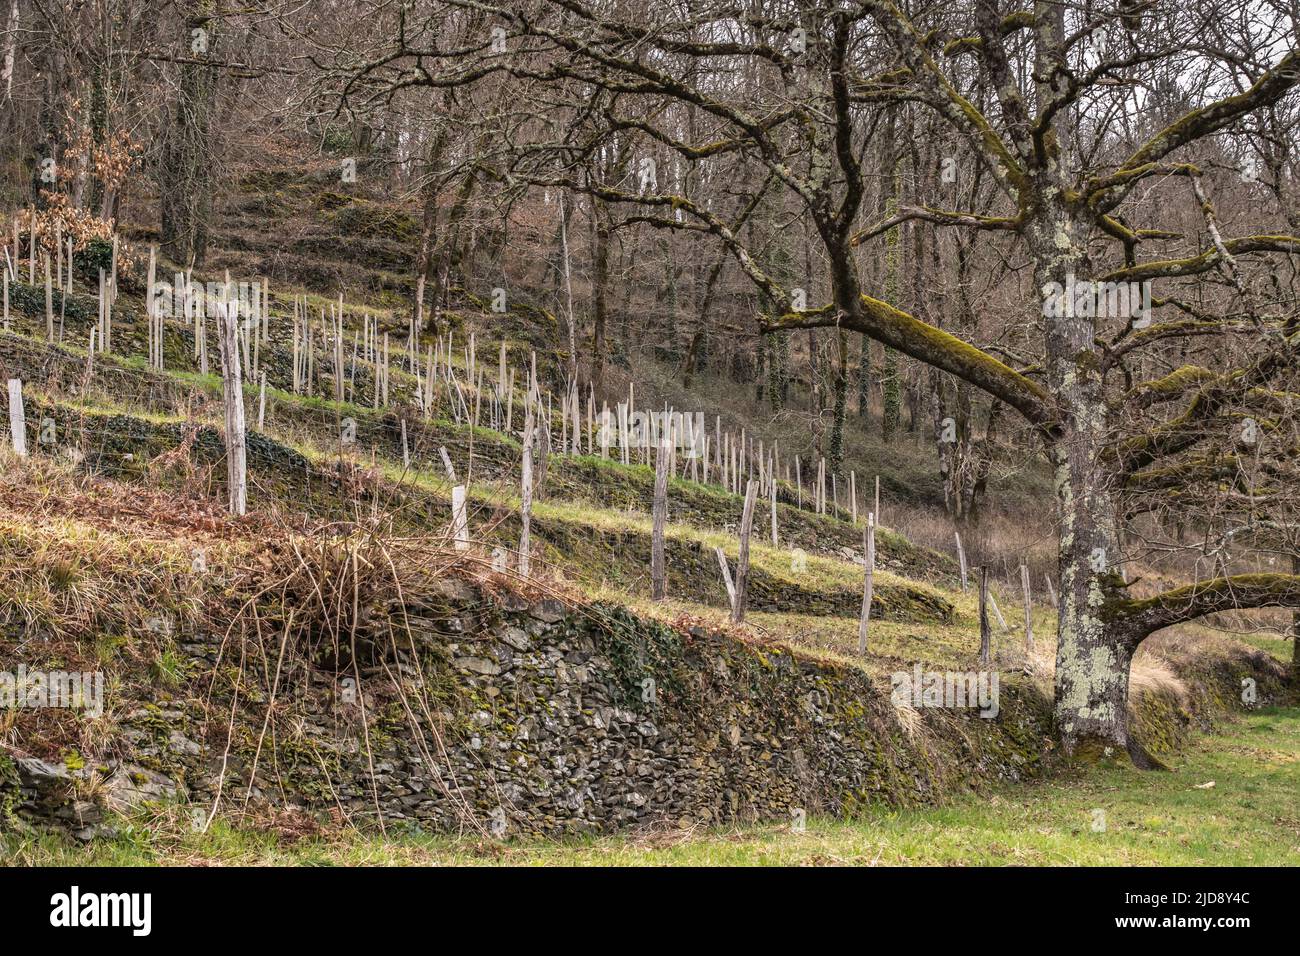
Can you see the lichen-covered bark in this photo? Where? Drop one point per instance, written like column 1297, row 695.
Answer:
column 1092, row 663
column 1295, row 629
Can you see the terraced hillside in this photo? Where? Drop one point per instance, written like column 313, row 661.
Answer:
column 335, row 652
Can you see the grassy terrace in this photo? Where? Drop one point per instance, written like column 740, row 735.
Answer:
column 597, row 545
column 125, row 386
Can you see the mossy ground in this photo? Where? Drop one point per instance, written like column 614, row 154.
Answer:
column 1248, row 817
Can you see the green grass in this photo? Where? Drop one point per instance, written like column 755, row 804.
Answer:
column 1251, row 816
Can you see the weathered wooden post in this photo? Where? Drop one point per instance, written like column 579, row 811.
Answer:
column 997, row 612
column 526, row 494
column 297, row 351
column 742, row 562
column 101, row 303
column 772, row 478
column 459, row 518
column 155, row 346
column 107, row 337
column 201, row 323
column 986, row 635
column 544, row 456
column 726, row 577
column 254, row 329
column 49, row 301
column 233, row 395
column 261, row 392
column 446, row 463
column 658, row 573
column 868, row 583
column 961, row 558
column 1029, row 609
column 338, row 359
column 564, row 424
column 17, row 418
column 501, row 370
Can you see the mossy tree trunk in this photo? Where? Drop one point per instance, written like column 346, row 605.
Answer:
column 1295, row 628
column 1092, row 666
column 1093, row 657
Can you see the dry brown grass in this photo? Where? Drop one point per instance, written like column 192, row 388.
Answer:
column 1001, row 542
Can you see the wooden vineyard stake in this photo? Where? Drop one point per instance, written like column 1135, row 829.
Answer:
column 868, row 582
column 985, row 631
column 233, row 395
column 742, row 562
column 658, row 573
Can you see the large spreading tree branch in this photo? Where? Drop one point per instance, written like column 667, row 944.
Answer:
column 942, row 350
column 1140, row 618
column 1193, row 126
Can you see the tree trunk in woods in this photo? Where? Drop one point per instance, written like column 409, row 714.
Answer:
column 429, row 192
column 7, row 63
column 835, row 459
column 185, row 189
column 599, row 279
column 1092, row 660
column 1295, row 629
column 568, row 298
column 864, row 378
column 98, row 123
column 816, row 388
column 53, row 104
column 450, row 255
column 891, row 385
